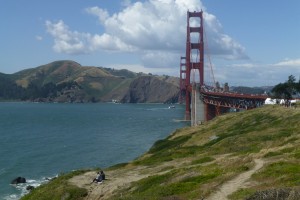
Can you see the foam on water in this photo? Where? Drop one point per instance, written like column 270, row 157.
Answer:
column 20, row 189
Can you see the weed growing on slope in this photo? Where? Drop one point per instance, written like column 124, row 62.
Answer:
column 179, row 183
column 280, row 174
column 58, row 189
column 272, row 153
column 202, row 160
column 162, row 145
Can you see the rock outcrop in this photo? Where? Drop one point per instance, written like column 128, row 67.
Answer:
column 152, row 89
column 18, row 180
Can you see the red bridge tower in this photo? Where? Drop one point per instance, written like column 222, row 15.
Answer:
column 194, row 56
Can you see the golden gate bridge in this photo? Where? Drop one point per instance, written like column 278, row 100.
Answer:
column 204, row 102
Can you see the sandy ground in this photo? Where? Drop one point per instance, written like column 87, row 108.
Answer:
column 116, row 179
column 119, row 178
column 238, row 182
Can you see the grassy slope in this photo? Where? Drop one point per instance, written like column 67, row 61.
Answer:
column 96, row 81
column 101, row 84
column 193, row 162
column 212, row 154
column 58, row 189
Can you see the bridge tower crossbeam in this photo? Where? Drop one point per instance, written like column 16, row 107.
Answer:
column 182, row 79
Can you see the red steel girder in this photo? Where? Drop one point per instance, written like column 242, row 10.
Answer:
column 233, row 100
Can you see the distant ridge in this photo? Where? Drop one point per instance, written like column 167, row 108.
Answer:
column 69, row 81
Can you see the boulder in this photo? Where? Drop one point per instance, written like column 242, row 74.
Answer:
column 29, row 187
column 18, row 180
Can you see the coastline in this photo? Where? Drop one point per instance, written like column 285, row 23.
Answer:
column 210, row 160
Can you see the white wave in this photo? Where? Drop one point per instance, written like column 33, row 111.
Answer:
column 155, row 109
column 11, row 197
column 21, row 188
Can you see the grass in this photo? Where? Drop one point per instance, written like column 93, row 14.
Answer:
column 161, row 186
column 202, row 160
column 280, row 173
column 272, row 153
column 241, row 194
column 238, row 134
column 117, row 166
column 58, row 188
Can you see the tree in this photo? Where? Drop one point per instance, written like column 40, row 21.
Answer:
column 298, row 86
column 287, row 89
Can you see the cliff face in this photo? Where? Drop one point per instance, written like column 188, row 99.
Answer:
column 152, row 89
column 68, row 81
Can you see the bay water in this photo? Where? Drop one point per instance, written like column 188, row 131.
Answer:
column 39, row 140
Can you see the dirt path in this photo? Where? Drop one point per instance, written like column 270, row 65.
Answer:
column 236, row 183
column 122, row 178
column 116, row 179
column 119, row 179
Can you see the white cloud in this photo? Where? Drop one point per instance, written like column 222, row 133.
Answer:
column 66, row 41
column 73, row 42
column 151, row 28
column 161, row 59
column 289, row 63
column 102, row 14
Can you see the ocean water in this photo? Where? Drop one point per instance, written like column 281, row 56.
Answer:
column 40, row 141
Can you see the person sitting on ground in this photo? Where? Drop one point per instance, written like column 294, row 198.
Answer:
column 102, row 175
column 98, row 177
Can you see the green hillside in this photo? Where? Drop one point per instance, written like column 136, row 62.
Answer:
column 246, row 155
column 68, row 81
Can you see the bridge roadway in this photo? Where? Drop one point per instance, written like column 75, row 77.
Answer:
column 218, row 102
column 233, row 100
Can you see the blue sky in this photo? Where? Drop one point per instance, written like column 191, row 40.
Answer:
column 251, row 43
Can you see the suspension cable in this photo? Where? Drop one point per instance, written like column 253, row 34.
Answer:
column 208, row 55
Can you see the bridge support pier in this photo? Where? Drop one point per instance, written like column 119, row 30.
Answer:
column 197, row 106
column 211, row 111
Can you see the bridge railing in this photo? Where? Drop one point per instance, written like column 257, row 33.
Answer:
column 208, row 90
column 235, row 100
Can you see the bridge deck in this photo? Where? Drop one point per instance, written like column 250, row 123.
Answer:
column 232, row 100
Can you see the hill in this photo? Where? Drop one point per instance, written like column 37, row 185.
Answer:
column 252, row 90
column 68, row 81
column 247, row 155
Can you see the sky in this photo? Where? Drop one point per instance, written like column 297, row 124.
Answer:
column 247, row 43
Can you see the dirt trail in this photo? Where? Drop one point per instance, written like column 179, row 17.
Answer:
column 122, row 178
column 116, row 179
column 236, row 183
